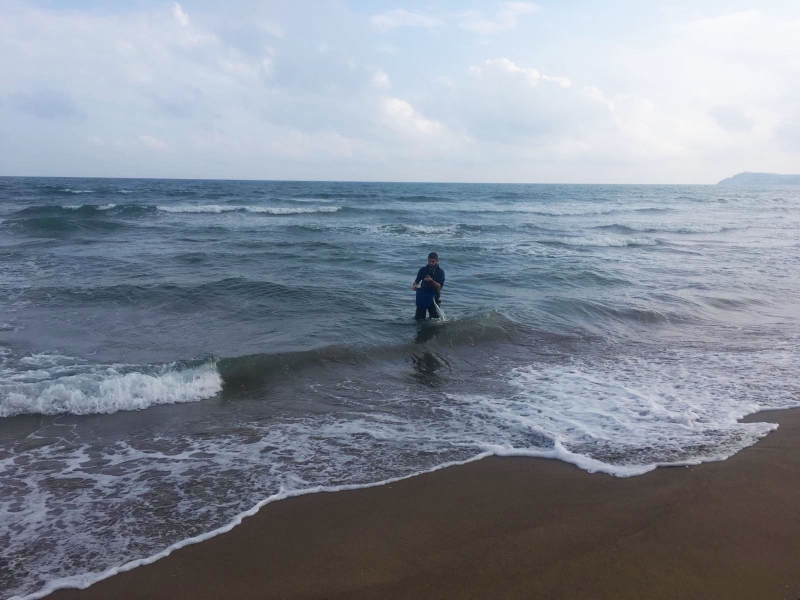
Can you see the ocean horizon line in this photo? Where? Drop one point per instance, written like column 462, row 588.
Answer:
column 364, row 181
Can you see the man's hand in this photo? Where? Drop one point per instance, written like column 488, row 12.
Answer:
column 437, row 286
column 414, row 287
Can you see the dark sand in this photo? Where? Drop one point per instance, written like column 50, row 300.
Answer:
column 513, row 528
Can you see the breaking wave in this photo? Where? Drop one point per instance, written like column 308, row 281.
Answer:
column 270, row 210
column 566, row 210
column 603, row 241
column 104, row 389
column 89, row 206
column 459, row 228
column 665, row 227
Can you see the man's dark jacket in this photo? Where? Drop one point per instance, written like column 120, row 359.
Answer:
column 436, row 273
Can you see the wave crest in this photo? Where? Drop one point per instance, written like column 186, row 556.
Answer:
column 665, row 228
column 604, row 241
column 431, row 229
column 109, row 390
column 271, row 210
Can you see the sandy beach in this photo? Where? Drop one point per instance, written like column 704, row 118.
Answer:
column 512, row 528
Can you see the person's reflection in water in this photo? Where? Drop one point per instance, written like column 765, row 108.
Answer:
column 426, row 333
column 426, row 368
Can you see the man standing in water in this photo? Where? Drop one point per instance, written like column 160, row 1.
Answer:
column 432, row 278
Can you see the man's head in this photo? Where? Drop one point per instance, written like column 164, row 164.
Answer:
column 433, row 259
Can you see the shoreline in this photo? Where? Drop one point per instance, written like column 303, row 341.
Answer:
column 320, row 545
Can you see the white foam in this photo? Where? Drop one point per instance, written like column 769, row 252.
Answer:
column 70, row 191
column 272, row 210
column 627, row 415
column 676, row 227
column 563, row 210
column 312, row 199
column 84, row 580
column 545, row 211
column 95, row 206
column 209, row 208
column 606, row 241
column 105, row 390
column 622, row 415
column 282, row 210
column 429, row 229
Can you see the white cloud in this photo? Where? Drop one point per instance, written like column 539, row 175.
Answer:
column 181, row 17
column 403, row 18
column 562, row 81
column 314, row 146
column 731, row 118
column 381, row 80
column 672, row 98
column 152, row 143
column 787, row 135
column 237, row 67
column 598, row 95
column 725, row 32
column 271, row 28
column 47, row 104
column 504, row 20
column 639, row 129
column 402, row 117
column 529, row 74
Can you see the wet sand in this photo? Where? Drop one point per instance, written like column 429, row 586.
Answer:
column 512, row 528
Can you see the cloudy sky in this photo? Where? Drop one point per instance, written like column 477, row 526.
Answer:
column 578, row 91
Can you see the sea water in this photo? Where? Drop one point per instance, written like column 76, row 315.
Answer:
column 173, row 353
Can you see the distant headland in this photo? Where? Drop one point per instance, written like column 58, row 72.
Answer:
column 761, row 179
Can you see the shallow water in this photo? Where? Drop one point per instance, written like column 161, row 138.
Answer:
column 174, row 352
